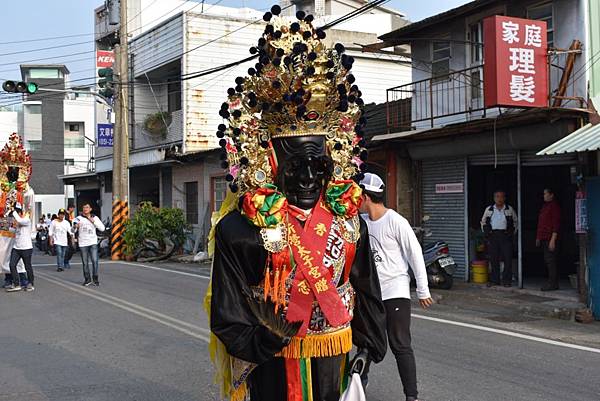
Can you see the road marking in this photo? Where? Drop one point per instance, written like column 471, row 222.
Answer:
column 134, row 264
column 134, row 308
column 508, row 333
column 165, row 270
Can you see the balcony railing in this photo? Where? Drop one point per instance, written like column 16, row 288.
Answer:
column 432, row 102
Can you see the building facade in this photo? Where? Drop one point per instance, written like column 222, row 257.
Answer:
column 177, row 164
column 454, row 151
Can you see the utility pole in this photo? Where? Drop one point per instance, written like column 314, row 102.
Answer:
column 120, row 173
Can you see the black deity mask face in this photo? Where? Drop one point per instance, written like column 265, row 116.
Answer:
column 303, row 169
column 12, row 174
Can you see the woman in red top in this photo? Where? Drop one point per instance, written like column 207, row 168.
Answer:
column 547, row 237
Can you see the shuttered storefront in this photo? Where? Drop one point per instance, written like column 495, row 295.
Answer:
column 446, row 211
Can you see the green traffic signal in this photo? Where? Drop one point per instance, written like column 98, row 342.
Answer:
column 106, row 82
column 20, row 87
column 32, row 87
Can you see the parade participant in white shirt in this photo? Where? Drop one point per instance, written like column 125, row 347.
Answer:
column 499, row 222
column 22, row 249
column 86, row 225
column 395, row 249
column 59, row 233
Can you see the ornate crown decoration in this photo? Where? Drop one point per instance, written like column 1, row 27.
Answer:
column 298, row 88
column 14, row 155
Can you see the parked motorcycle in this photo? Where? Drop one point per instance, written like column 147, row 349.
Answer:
column 440, row 266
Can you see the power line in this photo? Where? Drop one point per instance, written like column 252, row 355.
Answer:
column 44, row 39
column 46, row 48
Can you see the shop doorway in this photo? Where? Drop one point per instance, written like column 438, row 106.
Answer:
column 484, row 180
column 91, row 196
column 533, row 182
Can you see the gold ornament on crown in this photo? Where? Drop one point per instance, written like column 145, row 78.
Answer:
column 298, row 88
column 14, row 155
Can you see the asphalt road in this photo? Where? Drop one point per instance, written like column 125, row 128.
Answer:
column 142, row 336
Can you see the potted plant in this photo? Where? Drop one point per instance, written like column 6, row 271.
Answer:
column 158, row 123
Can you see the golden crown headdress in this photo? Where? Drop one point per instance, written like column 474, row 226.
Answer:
column 14, row 155
column 298, row 88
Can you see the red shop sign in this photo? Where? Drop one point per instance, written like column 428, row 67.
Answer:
column 104, row 58
column 515, row 72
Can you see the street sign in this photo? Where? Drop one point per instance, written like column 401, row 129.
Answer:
column 516, row 66
column 105, row 135
column 451, row 188
column 105, row 58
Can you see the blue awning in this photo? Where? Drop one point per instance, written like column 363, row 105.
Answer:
column 585, row 139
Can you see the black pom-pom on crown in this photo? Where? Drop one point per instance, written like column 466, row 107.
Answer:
column 309, row 18
column 222, row 143
column 339, row 48
column 295, row 27
column 229, row 177
column 300, row 15
column 267, row 17
column 220, row 134
column 275, row 10
column 231, row 91
column 233, row 187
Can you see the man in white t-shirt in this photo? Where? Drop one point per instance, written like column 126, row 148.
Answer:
column 22, row 249
column 59, row 233
column 395, row 250
column 86, row 225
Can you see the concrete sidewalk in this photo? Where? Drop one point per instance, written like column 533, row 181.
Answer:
column 525, row 302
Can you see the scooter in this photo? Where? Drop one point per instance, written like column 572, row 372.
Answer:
column 440, row 266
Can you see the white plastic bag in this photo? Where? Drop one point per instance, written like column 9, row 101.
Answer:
column 355, row 391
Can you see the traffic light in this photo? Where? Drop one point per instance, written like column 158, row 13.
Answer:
column 20, row 87
column 106, row 82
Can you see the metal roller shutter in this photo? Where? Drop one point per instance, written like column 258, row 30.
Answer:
column 446, row 211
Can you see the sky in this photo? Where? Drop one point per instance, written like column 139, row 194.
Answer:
column 30, row 28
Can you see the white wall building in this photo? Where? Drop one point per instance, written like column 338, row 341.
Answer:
column 170, row 42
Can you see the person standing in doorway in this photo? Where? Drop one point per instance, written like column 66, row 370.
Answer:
column 395, row 249
column 547, row 237
column 22, row 250
column 499, row 223
column 59, row 233
column 86, row 225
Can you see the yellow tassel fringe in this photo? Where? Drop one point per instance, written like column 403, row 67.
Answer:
column 240, row 393
column 319, row 345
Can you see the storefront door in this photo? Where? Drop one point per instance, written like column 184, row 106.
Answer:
column 534, row 181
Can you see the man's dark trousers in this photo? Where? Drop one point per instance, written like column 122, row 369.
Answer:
column 500, row 249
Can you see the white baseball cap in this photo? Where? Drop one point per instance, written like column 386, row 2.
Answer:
column 372, row 183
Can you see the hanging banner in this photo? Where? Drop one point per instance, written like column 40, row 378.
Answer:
column 581, row 223
column 515, row 72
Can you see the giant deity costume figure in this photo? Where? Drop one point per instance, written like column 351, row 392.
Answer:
column 293, row 283
column 15, row 171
